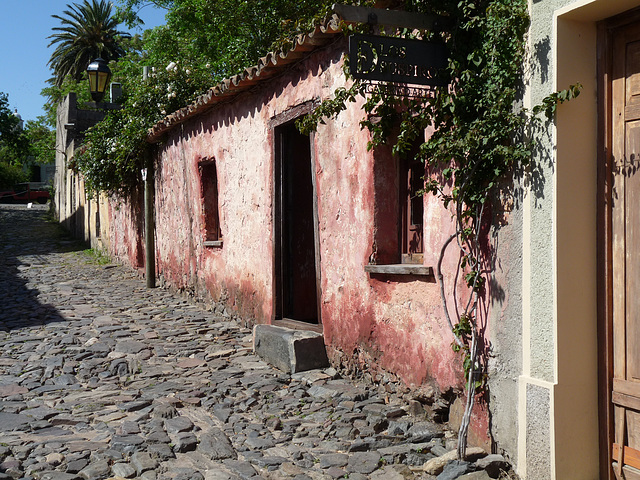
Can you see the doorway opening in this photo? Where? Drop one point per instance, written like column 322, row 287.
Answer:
column 296, row 260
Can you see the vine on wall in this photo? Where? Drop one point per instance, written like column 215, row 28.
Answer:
column 479, row 140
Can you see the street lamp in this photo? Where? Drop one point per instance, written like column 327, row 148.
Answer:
column 99, row 76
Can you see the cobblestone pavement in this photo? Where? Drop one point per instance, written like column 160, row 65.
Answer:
column 103, row 378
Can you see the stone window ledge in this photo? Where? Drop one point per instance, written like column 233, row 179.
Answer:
column 213, row 243
column 400, row 269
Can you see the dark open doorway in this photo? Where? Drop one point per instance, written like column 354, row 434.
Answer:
column 295, row 250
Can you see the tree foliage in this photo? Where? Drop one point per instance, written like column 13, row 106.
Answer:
column 115, row 148
column 20, row 147
column 12, row 139
column 42, row 140
column 86, row 31
column 229, row 35
column 202, row 43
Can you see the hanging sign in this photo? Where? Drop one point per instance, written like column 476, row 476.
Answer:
column 399, row 60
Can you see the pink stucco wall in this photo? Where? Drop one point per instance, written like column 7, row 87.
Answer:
column 126, row 234
column 394, row 323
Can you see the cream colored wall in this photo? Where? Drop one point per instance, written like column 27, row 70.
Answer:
column 74, row 209
column 575, row 396
column 571, row 386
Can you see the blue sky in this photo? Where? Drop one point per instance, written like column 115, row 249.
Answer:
column 24, row 28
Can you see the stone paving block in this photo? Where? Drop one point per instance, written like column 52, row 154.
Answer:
column 56, row 476
column 220, row 474
column 333, row 460
column 363, row 462
column 74, row 466
column 130, row 346
column 96, row 365
column 216, row 445
column 185, row 442
column 455, row 469
column 480, row 475
column 142, row 462
column 184, row 474
column 13, row 421
column 242, row 468
column 96, row 470
column 12, row 389
column 290, row 350
column 178, row 424
column 161, row 451
column 492, row 464
column 123, row 470
column 392, row 472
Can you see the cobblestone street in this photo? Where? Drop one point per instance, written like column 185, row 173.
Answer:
column 103, row 378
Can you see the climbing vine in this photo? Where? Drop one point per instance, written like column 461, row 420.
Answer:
column 479, row 139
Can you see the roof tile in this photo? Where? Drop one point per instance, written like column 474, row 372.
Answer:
column 267, row 66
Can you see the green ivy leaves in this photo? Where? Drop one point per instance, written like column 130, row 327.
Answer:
column 550, row 103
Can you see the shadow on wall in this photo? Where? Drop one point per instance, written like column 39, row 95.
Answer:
column 137, row 217
column 542, row 49
column 75, row 223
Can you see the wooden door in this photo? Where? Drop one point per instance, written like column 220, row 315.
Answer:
column 296, row 269
column 624, row 249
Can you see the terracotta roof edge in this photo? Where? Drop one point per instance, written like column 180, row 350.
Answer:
column 329, row 27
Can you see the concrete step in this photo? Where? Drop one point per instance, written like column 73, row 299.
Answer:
column 290, row 350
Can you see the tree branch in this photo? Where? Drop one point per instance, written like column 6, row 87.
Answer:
column 443, row 295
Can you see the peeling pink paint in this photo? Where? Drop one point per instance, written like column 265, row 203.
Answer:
column 383, row 322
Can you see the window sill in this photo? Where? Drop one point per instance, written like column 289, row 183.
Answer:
column 400, row 269
column 212, row 243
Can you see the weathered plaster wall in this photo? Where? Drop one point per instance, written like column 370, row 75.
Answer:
column 238, row 271
column 505, row 322
column 126, row 235
column 371, row 321
column 396, row 321
column 381, row 321
column 64, row 178
column 525, row 305
column 523, row 284
column 86, row 218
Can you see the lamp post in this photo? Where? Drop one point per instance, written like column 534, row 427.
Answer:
column 99, row 76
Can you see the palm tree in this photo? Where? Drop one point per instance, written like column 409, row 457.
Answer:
column 87, row 31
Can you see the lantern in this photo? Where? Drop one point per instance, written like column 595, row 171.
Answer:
column 99, row 76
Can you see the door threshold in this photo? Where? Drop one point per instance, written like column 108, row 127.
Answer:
column 298, row 325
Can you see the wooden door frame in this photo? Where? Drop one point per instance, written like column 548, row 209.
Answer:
column 606, row 30
column 286, row 117
column 604, row 280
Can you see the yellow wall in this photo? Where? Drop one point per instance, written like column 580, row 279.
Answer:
column 575, row 398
